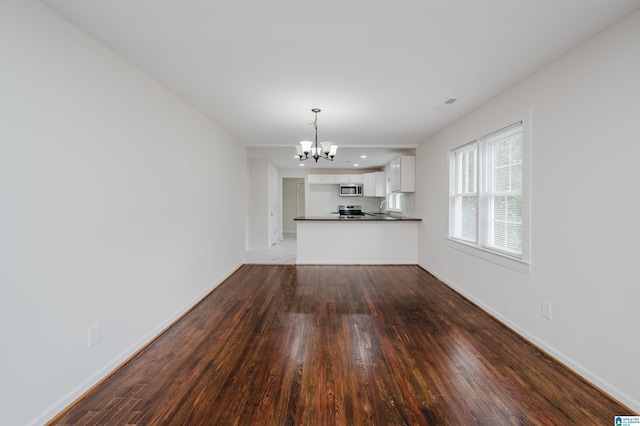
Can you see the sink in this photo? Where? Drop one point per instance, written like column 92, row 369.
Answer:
column 382, row 216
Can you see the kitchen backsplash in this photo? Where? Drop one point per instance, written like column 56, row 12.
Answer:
column 322, row 200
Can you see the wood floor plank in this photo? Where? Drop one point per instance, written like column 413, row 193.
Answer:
column 340, row 345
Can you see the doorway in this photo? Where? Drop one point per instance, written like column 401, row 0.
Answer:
column 283, row 251
column 293, row 193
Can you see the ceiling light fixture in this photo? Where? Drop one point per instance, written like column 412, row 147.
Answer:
column 306, row 149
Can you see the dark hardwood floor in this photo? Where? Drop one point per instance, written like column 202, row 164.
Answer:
column 344, row 345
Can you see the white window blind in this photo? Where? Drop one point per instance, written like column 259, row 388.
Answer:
column 464, row 195
column 486, row 198
column 502, row 195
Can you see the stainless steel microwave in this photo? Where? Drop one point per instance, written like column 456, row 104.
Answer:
column 351, row 190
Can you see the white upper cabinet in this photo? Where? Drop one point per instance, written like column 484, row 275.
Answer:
column 373, row 184
column 348, row 178
column 322, row 179
column 403, row 174
column 314, row 179
column 328, row 179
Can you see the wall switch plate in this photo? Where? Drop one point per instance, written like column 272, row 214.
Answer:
column 94, row 335
column 546, row 310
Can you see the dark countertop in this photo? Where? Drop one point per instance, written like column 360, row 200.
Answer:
column 370, row 217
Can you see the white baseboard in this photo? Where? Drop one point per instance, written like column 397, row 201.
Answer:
column 556, row 354
column 303, row 262
column 117, row 362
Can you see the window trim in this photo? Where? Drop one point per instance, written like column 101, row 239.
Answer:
column 477, row 248
column 495, row 257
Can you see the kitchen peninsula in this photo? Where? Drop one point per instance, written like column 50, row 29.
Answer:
column 371, row 239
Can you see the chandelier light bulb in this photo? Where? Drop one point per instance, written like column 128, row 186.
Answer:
column 326, row 147
column 306, row 146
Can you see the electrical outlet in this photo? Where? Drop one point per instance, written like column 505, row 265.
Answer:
column 546, row 310
column 94, row 335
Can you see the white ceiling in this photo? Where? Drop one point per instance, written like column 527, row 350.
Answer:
column 380, row 70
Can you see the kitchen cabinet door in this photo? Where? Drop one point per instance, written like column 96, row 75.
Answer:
column 320, row 179
column 380, row 179
column 355, row 178
column 312, row 179
column 349, row 178
column 368, row 185
column 328, row 178
column 403, row 174
column 373, row 184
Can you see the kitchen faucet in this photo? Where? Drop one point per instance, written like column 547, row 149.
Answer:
column 382, row 203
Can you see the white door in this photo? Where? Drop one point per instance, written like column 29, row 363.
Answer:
column 273, row 208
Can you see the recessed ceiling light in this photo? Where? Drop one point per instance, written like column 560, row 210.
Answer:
column 363, row 156
column 301, row 164
column 356, row 165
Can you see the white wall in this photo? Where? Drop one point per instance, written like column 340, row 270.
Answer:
column 258, row 229
column 110, row 210
column 585, row 211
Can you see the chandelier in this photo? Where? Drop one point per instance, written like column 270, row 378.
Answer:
column 306, row 149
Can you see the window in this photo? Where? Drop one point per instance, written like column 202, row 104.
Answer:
column 464, row 195
column 503, row 191
column 486, row 195
column 395, row 199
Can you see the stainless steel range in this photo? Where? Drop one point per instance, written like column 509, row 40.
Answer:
column 350, row 211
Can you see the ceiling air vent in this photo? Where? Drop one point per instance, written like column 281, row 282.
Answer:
column 447, row 103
